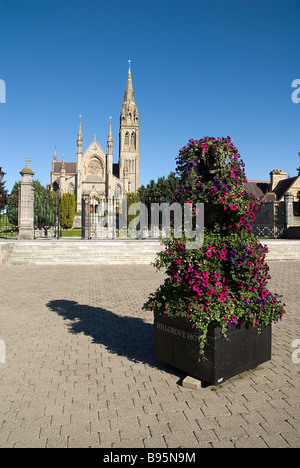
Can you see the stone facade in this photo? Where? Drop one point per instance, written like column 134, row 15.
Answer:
column 280, row 212
column 26, row 204
column 94, row 174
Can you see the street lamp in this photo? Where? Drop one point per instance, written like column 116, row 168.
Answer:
column 2, row 174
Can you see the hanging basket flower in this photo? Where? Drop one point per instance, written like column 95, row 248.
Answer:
column 224, row 282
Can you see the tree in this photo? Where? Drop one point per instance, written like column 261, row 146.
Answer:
column 67, row 210
column 13, row 204
column 131, row 199
column 163, row 189
column 45, row 205
column 3, row 196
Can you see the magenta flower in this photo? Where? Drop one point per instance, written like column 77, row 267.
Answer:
column 233, row 207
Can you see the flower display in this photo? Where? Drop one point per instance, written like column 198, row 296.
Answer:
column 224, row 282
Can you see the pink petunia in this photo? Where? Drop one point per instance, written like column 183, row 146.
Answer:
column 208, row 254
column 233, row 207
column 248, row 227
column 223, row 199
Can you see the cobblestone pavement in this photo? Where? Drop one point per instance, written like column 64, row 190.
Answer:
column 80, row 370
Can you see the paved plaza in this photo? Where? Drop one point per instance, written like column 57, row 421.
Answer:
column 80, row 369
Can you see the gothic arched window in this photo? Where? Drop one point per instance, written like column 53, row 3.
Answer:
column 126, row 138
column 118, row 192
column 132, row 140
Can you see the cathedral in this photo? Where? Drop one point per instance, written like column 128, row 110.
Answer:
column 94, row 174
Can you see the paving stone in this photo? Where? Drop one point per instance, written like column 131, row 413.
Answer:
column 81, row 370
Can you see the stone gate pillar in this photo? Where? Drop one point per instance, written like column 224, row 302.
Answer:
column 289, row 211
column 26, row 204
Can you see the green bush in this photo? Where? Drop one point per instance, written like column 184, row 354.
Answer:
column 67, row 210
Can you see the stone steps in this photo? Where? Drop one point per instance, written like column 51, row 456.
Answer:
column 84, row 252
column 282, row 249
column 110, row 252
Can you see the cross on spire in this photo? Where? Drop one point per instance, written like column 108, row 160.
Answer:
column 27, row 160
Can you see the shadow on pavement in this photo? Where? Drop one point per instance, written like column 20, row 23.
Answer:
column 121, row 335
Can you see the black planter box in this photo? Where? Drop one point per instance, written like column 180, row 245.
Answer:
column 177, row 345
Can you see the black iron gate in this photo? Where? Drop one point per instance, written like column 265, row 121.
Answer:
column 99, row 217
column 46, row 215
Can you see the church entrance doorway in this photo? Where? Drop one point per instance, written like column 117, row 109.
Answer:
column 99, row 217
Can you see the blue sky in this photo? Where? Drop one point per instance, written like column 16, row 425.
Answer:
column 199, row 68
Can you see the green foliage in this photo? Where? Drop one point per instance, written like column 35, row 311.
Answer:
column 224, row 282
column 12, row 205
column 67, row 210
column 45, row 205
column 131, row 199
column 3, row 196
column 164, row 189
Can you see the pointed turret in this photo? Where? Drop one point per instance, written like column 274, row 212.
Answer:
column 110, row 140
column 79, row 139
column 63, row 167
column 109, row 162
column 55, row 156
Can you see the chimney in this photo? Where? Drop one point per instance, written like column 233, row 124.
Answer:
column 276, row 176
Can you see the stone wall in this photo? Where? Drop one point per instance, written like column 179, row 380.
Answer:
column 5, row 252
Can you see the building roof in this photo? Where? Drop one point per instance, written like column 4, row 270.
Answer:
column 283, row 186
column 259, row 188
column 69, row 166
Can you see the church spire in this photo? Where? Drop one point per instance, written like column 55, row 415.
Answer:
column 79, row 138
column 129, row 94
column 129, row 139
column 110, row 140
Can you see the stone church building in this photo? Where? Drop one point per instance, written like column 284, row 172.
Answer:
column 94, row 174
